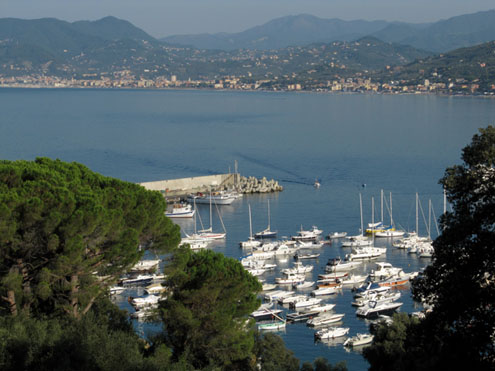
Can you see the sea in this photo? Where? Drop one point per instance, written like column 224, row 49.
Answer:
column 353, row 144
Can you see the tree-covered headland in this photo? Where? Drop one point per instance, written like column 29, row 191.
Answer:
column 67, row 234
column 459, row 285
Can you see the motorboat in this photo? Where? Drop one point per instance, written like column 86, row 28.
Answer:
column 324, row 319
column 298, row 256
column 265, row 314
column 383, row 271
column 306, row 302
column 275, row 295
column 378, row 297
column 290, row 278
column 219, row 198
column 155, row 288
column 301, row 315
column 145, row 265
column 144, row 301
column 271, row 325
column 336, row 235
column 331, row 332
column 291, row 299
column 326, row 290
column 308, row 244
column 268, row 286
column 374, row 309
column 370, row 288
column 310, row 235
column 181, row 210
column 304, row 285
column 298, row 268
column 339, row 265
column 358, row 340
column 319, row 308
column 115, row 290
column 357, row 241
column 353, row 280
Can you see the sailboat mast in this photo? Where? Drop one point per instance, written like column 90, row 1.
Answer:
column 373, row 218
column 361, row 213
column 211, row 224
column 268, row 214
column 417, row 220
column 250, row 223
column 391, row 218
column 381, row 205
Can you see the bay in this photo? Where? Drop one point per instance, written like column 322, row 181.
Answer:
column 352, row 143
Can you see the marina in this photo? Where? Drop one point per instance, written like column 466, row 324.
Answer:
column 338, row 139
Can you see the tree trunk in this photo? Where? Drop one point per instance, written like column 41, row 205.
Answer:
column 12, row 303
column 74, row 302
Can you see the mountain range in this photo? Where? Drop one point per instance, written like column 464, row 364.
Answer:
column 441, row 36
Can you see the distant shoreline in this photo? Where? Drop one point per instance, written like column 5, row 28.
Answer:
column 442, row 94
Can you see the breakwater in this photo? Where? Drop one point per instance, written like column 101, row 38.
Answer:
column 232, row 181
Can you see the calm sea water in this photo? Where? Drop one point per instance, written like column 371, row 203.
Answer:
column 352, row 143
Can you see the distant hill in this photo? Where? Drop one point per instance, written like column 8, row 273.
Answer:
column 282, row 32
column 56, row 37
column 299, row 30
column 453, row 33
column 474, row 64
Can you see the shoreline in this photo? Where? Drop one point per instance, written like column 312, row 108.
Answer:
column 175, row 88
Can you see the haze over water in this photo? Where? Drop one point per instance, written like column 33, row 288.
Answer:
column 352, row 143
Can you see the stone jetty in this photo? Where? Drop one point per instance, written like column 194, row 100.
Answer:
column 254, row 185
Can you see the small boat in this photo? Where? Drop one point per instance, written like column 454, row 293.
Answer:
column 301, row 315
column 339, row 265
column 271, row 325
column 145, row 265
column 219, row 198
column 316, row 184
column 115, row 290
column 359, row 339
column 310, row 235
column 181, row 210
column 306, row 256
column 275, row 295
column 155, row 288
column 268, row 286
column 143, row 313
column 331, row 332
column 319, row 308
column 324, row 319
column 142, row 279
column 290, row 299
column 303, row 285
column 306, row 302
column 374, row 309
column 336, row 235
column 265, row 314
column 326, row 290
column 298, row 268
column 144, row 301
column 290, row 279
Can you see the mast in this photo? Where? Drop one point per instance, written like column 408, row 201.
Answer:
column 211, row 225
column 391, row 218
column 250, row 223
column 417, row 217
column 268, row 215
column 373, row 218
column 381, row 206
column 429, row 218
column 361, row 212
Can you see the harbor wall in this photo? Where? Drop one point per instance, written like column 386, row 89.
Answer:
column 183, row 186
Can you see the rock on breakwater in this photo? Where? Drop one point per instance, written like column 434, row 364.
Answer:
column 254, row 185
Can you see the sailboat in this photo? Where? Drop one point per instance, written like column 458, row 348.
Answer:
column 267, row 233
column 390, row 231
column 251, row 242
column 208, row 233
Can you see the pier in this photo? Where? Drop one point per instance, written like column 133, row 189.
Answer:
column 232, row 181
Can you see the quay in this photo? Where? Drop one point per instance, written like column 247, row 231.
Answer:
column 177, row 188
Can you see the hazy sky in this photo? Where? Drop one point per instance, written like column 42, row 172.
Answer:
column 166, row 17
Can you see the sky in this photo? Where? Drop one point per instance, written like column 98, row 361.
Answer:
column 162, row 18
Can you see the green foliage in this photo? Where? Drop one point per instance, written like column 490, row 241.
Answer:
column 459, row 285
column 67, row 233
column 205, row 316
column 96, row 342
column 272, row 354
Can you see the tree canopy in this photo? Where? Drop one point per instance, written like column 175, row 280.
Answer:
column 66, row 233
column 205, row 316
column 459, row 284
